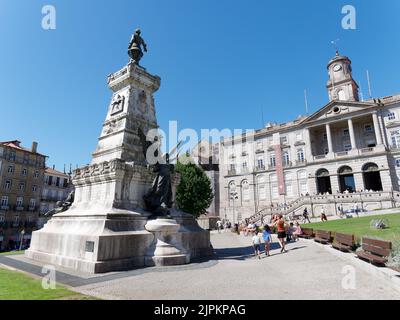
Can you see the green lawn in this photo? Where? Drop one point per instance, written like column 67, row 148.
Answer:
column 361, row 227
column 10, row 253
column 18, row 286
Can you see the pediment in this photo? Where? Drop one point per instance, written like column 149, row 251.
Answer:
column 338, row 109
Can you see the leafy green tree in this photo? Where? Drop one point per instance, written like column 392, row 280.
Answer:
column 194, row 193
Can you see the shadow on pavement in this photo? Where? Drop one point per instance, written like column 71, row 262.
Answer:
column 243, row 253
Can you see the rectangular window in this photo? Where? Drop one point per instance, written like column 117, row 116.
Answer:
column 368, row 128
column 300, row 155
column 7, row 185
column 36, row 174
column 22, row 186
column 272, row 160
column 260, row 163
column 262, row 193
column 398, row 163
column 1, row 218
column 57, row 181
column 10, row 169
column 284, row 140
column 12, row 156
column 32, row 203
column 20, row 202
column 299, row 136
column 286, row 159
column 24, row 172
column 274, row 191
column 391, row 116
column 289, row 190
column 34, row 188
column 50, row 180
column 4, row 201
column 347, row 147
column 346, row 132
column 303, row 187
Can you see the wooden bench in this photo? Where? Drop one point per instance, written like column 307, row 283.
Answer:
column 375, row 251
column 306, row 233
column 344, row 242
column 323, row 236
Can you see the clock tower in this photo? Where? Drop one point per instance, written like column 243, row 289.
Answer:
column 341, row 85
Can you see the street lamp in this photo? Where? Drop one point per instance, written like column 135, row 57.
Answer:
column 22, row 239
column 234, row 196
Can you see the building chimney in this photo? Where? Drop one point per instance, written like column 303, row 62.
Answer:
column 34, row 147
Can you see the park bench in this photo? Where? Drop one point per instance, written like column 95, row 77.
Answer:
column 306, row 233
column 375, row 251
column 322, row 236
column 344, row 242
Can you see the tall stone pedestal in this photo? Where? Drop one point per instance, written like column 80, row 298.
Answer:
column 104, row 230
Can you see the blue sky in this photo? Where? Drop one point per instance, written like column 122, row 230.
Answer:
column 221, row 63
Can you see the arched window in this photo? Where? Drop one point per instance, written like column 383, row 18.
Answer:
column 345, row 170
column 245, row 190
column 322, row 173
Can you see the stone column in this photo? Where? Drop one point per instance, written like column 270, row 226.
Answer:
column 351, row 132
column 329, row 137
column 308, row 148
column 377, row 129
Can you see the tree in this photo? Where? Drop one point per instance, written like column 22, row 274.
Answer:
column 194, row 193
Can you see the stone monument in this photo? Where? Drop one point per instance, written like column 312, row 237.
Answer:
column 107, row 227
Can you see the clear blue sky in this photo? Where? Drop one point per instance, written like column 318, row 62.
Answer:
column 221, row 62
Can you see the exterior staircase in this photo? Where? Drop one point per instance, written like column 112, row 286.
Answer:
column 296, row 207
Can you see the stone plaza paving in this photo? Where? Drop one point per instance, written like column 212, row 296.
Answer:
column 306, row 271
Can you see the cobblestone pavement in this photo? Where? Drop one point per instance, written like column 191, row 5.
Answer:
column 306, row 271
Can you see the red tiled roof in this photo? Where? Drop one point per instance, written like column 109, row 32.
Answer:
column 15, row 144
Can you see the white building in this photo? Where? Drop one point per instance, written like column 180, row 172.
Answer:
column 57, row 186
column 332, row 156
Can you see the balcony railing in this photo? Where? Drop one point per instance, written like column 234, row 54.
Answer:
column 320, row 157
column 5, row 207
column 231, row 172
column 287, row 164
column 342, row 154
column 260, row 168
column 367, row 150
column 301, row 162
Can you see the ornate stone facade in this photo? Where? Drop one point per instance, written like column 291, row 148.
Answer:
column 345, row 147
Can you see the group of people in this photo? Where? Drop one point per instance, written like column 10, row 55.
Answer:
column 224, row 225
column 286, row 232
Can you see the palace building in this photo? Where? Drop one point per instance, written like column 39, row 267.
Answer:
column 347, row 152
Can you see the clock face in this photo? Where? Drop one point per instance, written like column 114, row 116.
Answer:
column 337, row 68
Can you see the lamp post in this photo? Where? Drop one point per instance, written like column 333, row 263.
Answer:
column 234, row 196
column 22, row 239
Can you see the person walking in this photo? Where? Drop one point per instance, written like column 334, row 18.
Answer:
column 219, row 226
column 281, row 228
column 256, row 245
column 267, row 239
column 323, row 215
column 305, row 215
